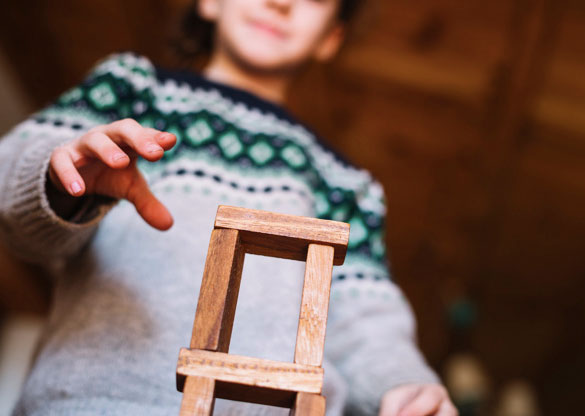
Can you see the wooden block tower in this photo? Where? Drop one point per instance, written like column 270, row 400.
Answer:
column 206, row 371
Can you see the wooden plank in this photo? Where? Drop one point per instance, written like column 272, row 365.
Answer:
column 281, row 235
column 250, row 371
column 314, row 306
column 308, row 405
column 198, row 397
column 255, row 394
column 218, row 296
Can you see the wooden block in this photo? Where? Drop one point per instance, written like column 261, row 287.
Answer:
column 206, row 370
column 250, row 371
column 308, row 405
column 218, row 296
column 314, row 306
column 198, row 397
column 284, row 236
column 255, row 394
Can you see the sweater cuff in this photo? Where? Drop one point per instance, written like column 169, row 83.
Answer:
column 36, row 230
column 369, row 386
column 371, row 338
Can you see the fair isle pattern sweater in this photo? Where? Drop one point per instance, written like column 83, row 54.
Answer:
column 125, row 294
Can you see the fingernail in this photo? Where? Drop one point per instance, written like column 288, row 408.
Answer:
column 75, row 187
column 153, row 148
column 164, row 135
column 119, row 156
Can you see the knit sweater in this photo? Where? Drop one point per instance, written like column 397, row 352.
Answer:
column 125, row 294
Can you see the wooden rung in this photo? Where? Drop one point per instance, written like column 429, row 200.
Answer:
column 255, row 394
column 284, row 236
column 314, row 306
column 307, row 404
column 249, row 371
column 198, row 397
column 218, row 296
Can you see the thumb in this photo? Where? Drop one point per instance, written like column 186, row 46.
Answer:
column 146, row 204
column 426, row 403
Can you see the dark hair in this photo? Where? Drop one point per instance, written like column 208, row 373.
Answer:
column 348, row 9
column 194, row 42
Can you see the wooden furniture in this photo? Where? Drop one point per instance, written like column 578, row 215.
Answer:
column 24, row 288
column 206, row 371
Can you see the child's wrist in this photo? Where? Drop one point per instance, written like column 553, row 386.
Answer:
column 64, row 205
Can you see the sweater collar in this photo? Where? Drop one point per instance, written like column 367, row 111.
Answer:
column 195, row 80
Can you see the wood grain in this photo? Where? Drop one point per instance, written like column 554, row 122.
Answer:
column 198, row 397
column 314, row 306
column 281, row 235
column 308, row 405
column 218, row 296
column 255, row 394
column 250, row 371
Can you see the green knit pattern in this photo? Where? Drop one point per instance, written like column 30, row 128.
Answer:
column 125, row 86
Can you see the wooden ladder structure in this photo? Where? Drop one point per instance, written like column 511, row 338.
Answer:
column 206, row 371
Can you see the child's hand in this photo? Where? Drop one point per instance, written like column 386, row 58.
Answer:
column 103, row 161
column 417, row 400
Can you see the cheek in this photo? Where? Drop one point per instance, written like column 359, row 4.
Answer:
column 308, row 34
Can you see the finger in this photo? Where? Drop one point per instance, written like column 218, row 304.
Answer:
column 142, row 140
column 425, row 404
column 447, row 409
column 98, row 145
column 61, row 165
column 395, row 399
column 165, row 139
column 146, row 204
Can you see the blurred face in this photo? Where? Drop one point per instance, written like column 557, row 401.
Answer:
column 275, row 35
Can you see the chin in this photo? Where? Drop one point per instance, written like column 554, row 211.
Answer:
column 267, row 60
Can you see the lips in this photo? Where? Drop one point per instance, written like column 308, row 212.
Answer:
column 268, row 28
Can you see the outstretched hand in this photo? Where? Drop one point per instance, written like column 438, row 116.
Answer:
column 103, row 162
column 417, row 400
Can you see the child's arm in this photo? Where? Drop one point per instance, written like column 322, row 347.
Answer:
column 371, row 330
column 64, row 150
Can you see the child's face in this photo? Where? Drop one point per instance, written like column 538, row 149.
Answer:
column 275, row 35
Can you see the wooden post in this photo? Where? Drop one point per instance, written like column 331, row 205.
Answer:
column 198, row 397
column 214, row 318
column 314, row 306
column 307, row 404
column 206, row 371
column 218, row 296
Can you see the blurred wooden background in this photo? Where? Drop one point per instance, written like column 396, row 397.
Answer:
column 471, row 113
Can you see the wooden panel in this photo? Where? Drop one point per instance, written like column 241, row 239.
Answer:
column 198, row 397
column 314, row 306
column 561, row 102
column 443, row 47
column 218, row 296
column 250, row 371
column 281, row 235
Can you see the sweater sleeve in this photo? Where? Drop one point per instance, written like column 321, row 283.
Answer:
column 28, row 224
column 371, row 335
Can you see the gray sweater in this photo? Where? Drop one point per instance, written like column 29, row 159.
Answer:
column 125, row 294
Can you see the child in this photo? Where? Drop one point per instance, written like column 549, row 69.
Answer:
column 125, row 294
